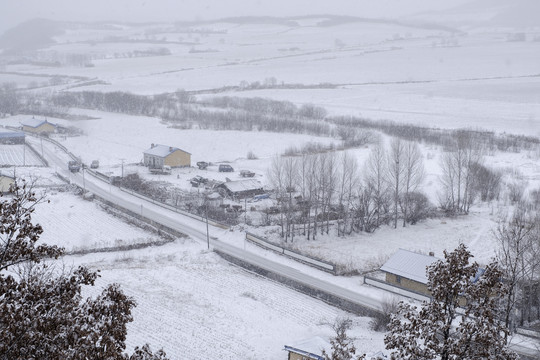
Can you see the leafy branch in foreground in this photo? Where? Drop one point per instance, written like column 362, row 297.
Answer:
column 42, row 312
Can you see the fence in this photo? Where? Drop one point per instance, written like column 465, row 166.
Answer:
column 175, row 209
column 322, row 265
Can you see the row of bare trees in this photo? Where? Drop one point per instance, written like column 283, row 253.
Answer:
column 464, row 176
column 317, row 191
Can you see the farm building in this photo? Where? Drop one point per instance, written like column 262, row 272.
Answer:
column 159, row 155
column 38, row 126
column 241, row 188
column 11, row 137
column 5, row 182
column 310, row 349
column 407, row 269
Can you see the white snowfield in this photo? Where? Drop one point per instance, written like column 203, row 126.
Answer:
column 197, row 230
column 232, row 244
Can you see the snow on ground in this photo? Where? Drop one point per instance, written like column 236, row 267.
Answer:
column 385, row 70
column 188, row 298
column 18, row 155
column 500, row 105
column 196, row 306
column 70, row 222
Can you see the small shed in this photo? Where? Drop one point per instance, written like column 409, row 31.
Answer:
column 309, row 349
column 5, row 182
column 407, row 269
column 11, row 137
column 241, row 188
column 38, row 126
column 214, row 199
column 159, row 155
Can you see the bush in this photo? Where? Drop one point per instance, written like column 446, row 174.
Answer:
column 380, row 321
column 251, row 155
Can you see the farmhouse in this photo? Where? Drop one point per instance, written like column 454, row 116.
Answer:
column 38, row 126
column 407, row 269
column 241, row 188
column 309, row 349
column 159, row 155
column 5, row 182
column 11, row 137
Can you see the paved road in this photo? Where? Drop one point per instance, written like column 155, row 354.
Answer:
column 196, row 229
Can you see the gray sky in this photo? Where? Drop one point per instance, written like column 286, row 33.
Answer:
column 13, row 12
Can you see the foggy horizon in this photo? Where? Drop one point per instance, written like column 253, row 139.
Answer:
column 193, row 10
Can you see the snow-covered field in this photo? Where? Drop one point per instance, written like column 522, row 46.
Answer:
column 187, row 297
column 383, row 70
column 191, row 302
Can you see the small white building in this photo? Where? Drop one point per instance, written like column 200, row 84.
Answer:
column 5, row 183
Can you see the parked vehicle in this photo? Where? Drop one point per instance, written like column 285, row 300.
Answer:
column 94, row 164
column 225, row 168
column 198, row 180
column 74, row 166
column 164, row 170
column 202, row 165
column 246, row 173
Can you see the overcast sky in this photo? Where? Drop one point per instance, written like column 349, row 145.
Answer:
column 13, row 12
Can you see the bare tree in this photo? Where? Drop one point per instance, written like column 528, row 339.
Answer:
column 413, row 175
column 396, row 173
column 375, row 179
column 283, row 176
column 517, row 255
column 458, row 164
column 348, row 181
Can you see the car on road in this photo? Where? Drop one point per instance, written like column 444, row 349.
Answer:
column 74, row 166
column 246, row 173
column 225, row 168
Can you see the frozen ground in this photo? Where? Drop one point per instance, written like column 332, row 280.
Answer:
column 468, row 76
column 188, row 298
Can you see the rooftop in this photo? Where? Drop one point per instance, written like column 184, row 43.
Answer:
column 409, row 264
column 310, row 348
column 243, row 185
column 11, row 134
column 162, row 150
column 34, row 122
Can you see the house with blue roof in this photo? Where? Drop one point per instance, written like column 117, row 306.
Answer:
column 38, row 126
column 11, row 137
column 160, row 155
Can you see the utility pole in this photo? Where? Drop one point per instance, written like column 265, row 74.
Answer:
column 207, row 233
column 122, row 167
column 83, row 181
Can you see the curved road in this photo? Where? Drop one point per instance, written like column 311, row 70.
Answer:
column 195, row 229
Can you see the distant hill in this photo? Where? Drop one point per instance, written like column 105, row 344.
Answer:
column 504, row 13
column 30, row 35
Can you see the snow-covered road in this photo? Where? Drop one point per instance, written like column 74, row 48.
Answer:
column 196, row 229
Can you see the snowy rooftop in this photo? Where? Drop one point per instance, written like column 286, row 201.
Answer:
column 162, row 150
column 409, row 264
column 10, row 134
column 33, row 122
column 243, row 185
column 310, row 348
